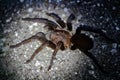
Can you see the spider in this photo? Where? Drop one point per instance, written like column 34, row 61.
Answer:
column 59, row 37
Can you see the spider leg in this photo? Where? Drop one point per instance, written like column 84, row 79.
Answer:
column 36, row 52
column 57, row 18
column 51, row 45
column 69, row 20
column 95, row 30
column 51, row 24
column 91, row 56
column 54, row 54
column 49, row 27
column 40, row 36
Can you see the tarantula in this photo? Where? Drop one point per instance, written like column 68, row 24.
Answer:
column 58, row 38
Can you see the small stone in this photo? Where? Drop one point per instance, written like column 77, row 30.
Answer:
column 65, row 10
column 16, row 34
column 21, row 1
column 76, row 73
column 9, row 19
column 113, row 51
column 113, row 8
column 117, row 28
column 30, row 10
column 37, row 63
column 91, row 72
column 114, row 45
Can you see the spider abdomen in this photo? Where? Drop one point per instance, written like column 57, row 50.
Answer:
column 82, row 41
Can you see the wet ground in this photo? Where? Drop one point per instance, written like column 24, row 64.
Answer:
column 69, row 64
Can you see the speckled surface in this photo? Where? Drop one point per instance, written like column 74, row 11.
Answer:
column 69, row 65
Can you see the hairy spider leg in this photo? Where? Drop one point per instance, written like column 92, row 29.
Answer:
column 50, row 27
column 50, row 24
column 69, row 20
column 43, row 45
column 39, row 36
column 59, row 44
column 57, row 19
column 93, row 58
column 24, row 42
column 95, row 30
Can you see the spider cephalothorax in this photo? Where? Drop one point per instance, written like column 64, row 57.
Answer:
column 58, row 38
